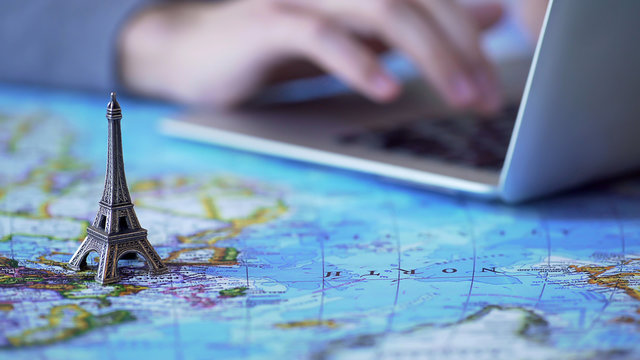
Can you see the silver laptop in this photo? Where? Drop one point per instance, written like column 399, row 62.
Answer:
column 573, row 118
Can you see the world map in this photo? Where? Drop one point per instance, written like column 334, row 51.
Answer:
column 270, row 258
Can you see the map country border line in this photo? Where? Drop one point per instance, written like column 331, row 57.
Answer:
column 391, row 316
column 472, row 236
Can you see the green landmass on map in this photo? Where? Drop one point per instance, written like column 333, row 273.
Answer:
column 235, row 292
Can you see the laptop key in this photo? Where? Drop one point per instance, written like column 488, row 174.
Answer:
column 474, row 141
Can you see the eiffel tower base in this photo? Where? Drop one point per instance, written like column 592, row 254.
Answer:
column 111, row 248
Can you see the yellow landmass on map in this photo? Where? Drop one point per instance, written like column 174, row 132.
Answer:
column 616, row 281
column 156, row 184
column 210, row 208
column 331, row 324
column 222, row 255
column 21, row 131
column 44, row 261
column 206, row 240
column 624, row 320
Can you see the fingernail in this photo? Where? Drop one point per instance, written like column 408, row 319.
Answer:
column 383, row 86
column 463, row 89
column 490, row 91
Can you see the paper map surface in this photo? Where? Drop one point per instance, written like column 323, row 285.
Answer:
column 277, row 259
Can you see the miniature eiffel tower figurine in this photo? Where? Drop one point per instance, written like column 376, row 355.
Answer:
column 115, row 230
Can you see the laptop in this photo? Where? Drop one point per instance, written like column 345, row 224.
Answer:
column 573, row 118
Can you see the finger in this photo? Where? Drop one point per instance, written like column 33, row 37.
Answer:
column 322, row 6
column 405, row 28
column 340, row 53
column 485, row 15
column 349, row 12
column 463, row 34
column 456, row 25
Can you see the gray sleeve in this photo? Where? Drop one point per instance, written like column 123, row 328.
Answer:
column 63, row 43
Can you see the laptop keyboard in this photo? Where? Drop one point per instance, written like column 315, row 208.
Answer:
column 474, row 141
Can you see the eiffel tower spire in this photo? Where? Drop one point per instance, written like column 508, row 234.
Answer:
column 116, row 191
column 115, row 231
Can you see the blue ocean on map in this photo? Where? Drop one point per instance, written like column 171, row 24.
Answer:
column 271, row 258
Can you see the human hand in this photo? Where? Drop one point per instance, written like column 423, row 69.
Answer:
column 223, row 53
column 531, row 13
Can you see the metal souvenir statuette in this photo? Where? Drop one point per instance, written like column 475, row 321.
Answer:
column 115, row 231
